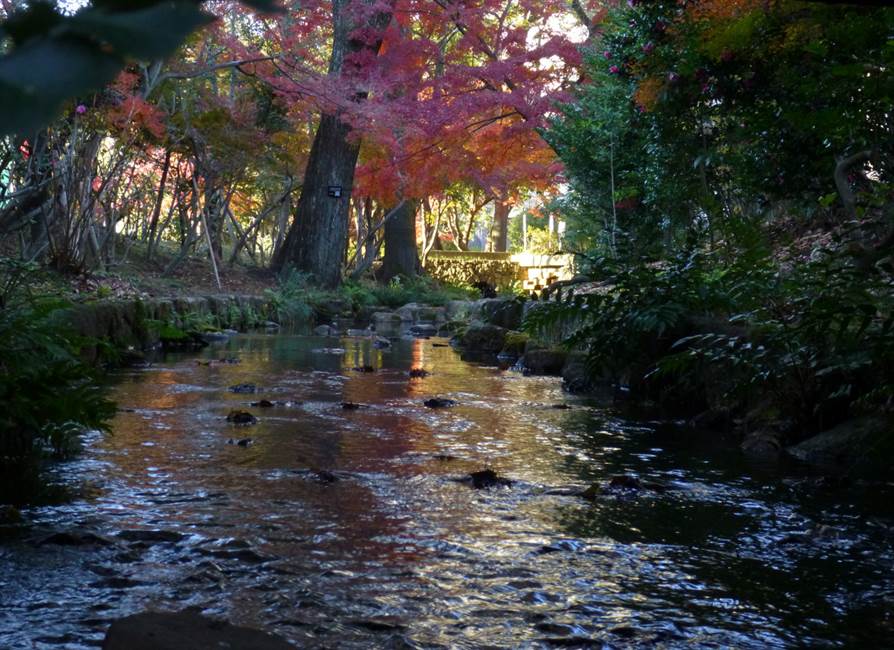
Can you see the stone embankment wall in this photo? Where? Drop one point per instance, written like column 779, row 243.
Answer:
column 531, row 272
column 140, row 324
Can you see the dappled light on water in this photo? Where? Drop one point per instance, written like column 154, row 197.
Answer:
column 347, row 528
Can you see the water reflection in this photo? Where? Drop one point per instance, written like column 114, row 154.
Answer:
column 395, row 553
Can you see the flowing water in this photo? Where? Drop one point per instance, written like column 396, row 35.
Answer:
column 398, row 554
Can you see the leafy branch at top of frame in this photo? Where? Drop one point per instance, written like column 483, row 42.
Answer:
column 52, row 57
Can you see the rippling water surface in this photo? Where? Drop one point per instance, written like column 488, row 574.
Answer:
column 397, row 554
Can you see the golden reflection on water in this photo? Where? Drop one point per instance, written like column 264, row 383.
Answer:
column 396, row 535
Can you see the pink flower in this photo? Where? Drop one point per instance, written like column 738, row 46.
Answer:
column 648, row 47
column 81, row 109
column 614, row 69
column 607, row 54
column 673, row 77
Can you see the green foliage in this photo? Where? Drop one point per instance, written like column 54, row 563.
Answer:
column 296, row 299
column 54, row 57
column 821, row 343
column 291, row 300
column 400, row 291
column 638, row 309
column 696, row 115
column 48, row 394
column 739, row 328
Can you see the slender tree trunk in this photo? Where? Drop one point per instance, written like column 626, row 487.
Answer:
column 156, row 209
column 501, row 226
column 318, row 238
column 401, row 255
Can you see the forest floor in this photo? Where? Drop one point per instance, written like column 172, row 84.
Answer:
column 136, row 276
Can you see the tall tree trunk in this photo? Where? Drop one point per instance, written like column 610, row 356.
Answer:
column 319, row 235
column 401, row 255
column 501, row 226
column 318, row 238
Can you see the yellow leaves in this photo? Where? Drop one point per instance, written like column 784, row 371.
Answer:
column 648, row 92
column 293, row 147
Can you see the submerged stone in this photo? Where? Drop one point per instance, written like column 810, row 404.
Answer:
column 177, row 631
column 10, row 515
column 241, row 417
column 75, row 538
column 151, row 536
column 243, row 388
column 487, row 478
column 418, row 373
column 439, row 403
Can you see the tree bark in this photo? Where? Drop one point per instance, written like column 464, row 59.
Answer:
column 318, row 238
column 319, row 235
column 159, row 197
column 501, row 226
column 401, row 255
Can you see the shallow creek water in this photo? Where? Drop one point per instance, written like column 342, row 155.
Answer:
column 398, row 555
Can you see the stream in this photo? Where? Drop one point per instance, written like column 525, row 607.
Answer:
column 341, row 528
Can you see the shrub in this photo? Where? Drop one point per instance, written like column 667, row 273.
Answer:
column 48, row 394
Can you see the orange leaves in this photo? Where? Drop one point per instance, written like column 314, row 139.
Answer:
column 132, row 114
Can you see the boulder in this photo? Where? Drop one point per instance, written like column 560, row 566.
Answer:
column 214, row 337
column 325, row 330
column 857, row 441
column 576, row 377
column 544, row 362
column 459, row 310
column 423, row 329
column 452, row 328
column 486, row 339
column 175, row 631
column 503, row 312
column 762, row 443
column 386, row 318
column 514, row 346
column 415, row 313
column 409, row 312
